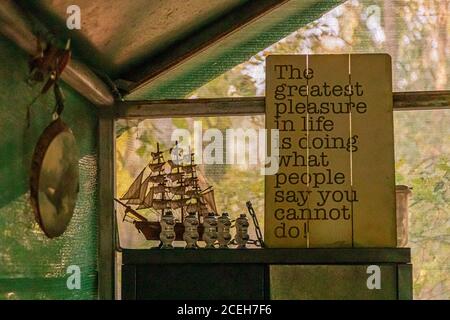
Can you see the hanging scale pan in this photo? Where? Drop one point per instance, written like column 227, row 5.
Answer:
column 54, row 182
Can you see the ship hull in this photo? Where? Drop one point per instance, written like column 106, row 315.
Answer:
column 152, row 229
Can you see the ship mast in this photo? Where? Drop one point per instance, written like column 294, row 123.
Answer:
column 163, row 183
column 181, row 180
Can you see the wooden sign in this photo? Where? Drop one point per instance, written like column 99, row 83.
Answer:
column 335, row 186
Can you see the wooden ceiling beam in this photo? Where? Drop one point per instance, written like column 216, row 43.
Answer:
column 421, row 100
column 14, row 25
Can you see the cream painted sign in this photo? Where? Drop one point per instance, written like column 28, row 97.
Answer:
column 335, row 184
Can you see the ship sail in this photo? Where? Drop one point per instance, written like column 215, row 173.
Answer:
column 160, row 204
column 208, row 196
column 175, row 176
column 173, row 165
column 191, row 193
column 177, row 190
column 177, row 204
column 134, row 191
column 158, row 189
column 148, row 200
column 142, row 191
column 156, row 167
column 156, row 155
column 157, row 179
column 189, row 168
column 191, row 181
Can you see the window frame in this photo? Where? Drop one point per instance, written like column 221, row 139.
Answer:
column 147, row 109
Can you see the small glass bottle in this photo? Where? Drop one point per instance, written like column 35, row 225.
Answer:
column 242, row 231
column 167, row 235
column 210, row 230
column 223, row 230
column 190, row 234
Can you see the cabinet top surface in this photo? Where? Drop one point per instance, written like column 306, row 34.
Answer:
column 268, row 256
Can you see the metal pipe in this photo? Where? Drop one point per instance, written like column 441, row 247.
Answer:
column 13, row 25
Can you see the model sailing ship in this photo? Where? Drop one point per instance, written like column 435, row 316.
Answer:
column 167, row 185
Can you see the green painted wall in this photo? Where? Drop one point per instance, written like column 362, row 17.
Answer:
column 32, row 266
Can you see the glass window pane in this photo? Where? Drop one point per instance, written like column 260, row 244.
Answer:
column 414, row 33
column 422, row 162
column 233, row 184
column 422, row 150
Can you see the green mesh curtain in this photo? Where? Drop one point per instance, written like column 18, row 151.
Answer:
column 32, row 266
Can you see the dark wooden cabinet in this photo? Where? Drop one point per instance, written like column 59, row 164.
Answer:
column 265, row 274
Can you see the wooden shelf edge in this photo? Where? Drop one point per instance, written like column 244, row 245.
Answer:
column 268, row 256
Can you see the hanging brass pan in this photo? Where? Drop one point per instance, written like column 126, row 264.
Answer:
column 54, row 182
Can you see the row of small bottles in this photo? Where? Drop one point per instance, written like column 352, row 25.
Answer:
column 216, row 230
